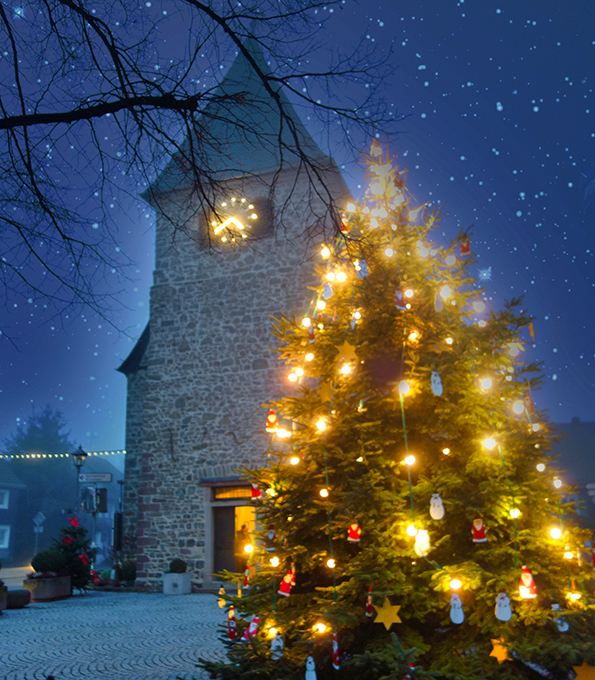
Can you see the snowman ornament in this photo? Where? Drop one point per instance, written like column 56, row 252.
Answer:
column 436, row 384
column 310, row 669
column 436, row 507
column 503, row 611
column 277, row 647
column 559, row 620
column 457, row 615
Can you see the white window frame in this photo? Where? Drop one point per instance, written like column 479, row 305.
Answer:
column 4, row 498
column 4, row 534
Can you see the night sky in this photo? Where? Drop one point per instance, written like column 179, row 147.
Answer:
column 497, row 100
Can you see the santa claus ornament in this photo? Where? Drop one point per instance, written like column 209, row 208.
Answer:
column 232, row 631
column 436, row 384
column 369, row 605
column 250, row 632
column 559, row 620
column 247, row 577
column 478, row 530
column 286, row 583
column 436, row 507
column 272, row 424
column 335, row 652
column 422, row 543
column 271, row 536
column 310, row 669
column 527, row 589
column 503, row 611
column 465, row 247
column 408, row 676
column 400, row 300
column 354, row 533
column 277, row 647
column 457, row 615
column 311, row 334
column 255, row 490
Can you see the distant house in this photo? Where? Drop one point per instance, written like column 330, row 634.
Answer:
column 12, row 498
column 576, row 451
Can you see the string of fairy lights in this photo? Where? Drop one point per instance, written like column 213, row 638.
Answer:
column 37, row 456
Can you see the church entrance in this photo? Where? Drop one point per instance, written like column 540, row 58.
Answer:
column 233, row 528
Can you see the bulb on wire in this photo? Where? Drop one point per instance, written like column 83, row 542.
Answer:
column 404, row 387
column 306, row 322
column 410, row 460
column 274, row 561
column 518, row 407
column 341, row 276
column 489, row 443
column 540, row 467
column 323, row 493
column 325, row 252
column 555, row 533
column 485, row 383
column 330, row 563
column 455, row 584
column 411, row 530
column 515, row 512
column 557, row 483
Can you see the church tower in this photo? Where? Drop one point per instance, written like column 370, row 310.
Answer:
column 198, row 376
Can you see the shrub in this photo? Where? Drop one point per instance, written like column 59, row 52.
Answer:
column 177, row 566
column 49, row 561
column 128, row 570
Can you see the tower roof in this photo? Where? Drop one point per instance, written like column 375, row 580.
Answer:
column 243, row 130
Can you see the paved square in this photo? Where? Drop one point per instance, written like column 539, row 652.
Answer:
column 111, row 636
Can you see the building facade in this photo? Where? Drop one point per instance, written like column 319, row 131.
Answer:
column 203, row 371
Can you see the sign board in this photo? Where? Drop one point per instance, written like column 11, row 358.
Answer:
column 94, row 477
column 38, row 529
column 39, row 518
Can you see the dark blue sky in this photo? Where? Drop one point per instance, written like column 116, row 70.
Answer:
column 499, row 124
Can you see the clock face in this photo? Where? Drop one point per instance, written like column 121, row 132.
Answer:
column 236, row 220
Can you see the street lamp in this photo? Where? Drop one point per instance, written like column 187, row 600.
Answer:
column 78, row 458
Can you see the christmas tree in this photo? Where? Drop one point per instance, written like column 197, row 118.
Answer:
column 413, row 523
column 75, row 548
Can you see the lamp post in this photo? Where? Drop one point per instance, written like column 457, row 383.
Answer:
column 78, row 458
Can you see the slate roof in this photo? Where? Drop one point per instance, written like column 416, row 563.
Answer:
column 241, row 131
column 8, row 479
column 132, row 362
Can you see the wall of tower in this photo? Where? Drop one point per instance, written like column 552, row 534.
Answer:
column 209, row 370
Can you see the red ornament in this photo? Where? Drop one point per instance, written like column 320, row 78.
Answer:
column 286, row 583
column 83, row 558
column 465, row 247
column 232, row 630
column 400, row 299
column 527, row 589
column 271, row 536
column 311, row 334
column 593, row 557
column 354, row 532
column 247, row 577
column 67, row 540
column 407, row 676
column 251, row 630
column 335, row 652
column 73, row 521
column 272, row 424
column 369, row 605
column 255, row 490
column 478, row 530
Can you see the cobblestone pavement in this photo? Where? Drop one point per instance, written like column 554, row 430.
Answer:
column 111, row 636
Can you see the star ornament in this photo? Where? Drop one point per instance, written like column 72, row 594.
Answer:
column 584, row 672
column 387, row 614
column 500, row 650
column 347, row 353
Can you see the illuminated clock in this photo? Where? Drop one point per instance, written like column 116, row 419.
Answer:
column 237, row 219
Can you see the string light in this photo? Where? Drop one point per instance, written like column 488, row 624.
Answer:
column 446, row 451
column 389, row 252
column 282, row 433
column 346, row 369
column 515, row 512
column 321, row 425
column 411, row 530
column 330, row 276
column 479, row 306
column 274, row 561
column 574, row 596
column 540, row 467
column 309, row 356
column 323, row 493
column 409, row 293
column 445, row 292
column 449, row 341
column 330, row 563
column 555, row 533
column 557, row 483
column 320, row 627
column 321, row 304
column 272, row 631
column 485, row 383
column 410, row 460
column 249, row 548
column 294, row 460
column 568, row 555
column 518, row 407
column 455, row 584
column 341, row 276
column 299, row 372
column 325, row 252
column 292, row 377
column 404, row 387
column 450, row 260
column 489, row 443
column 306, row 322
column 535, row 427
column 413, row 336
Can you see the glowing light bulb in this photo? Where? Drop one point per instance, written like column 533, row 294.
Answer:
column 321, row 425
column 515, row 512
column 346, row 369
column 274, row 561
column 389, row 252
column 357, row 315
column 423, row 252
column 306, row 322
column 574, row 596
column 449, row 341
column 282, row 433
column 309, row 356
column 413, row 336
column 323, row 493
column 409, row 293
column 330, row 276
column 568, row 555
column 479, row 306
column 450, row 260
column 320, row 627
column 445, row 292
column 557, row 483
column 272, row 631
column 489, row 443
column 485, row 383
column 540, row 467
column 513, row 351
column 299, row 372
column 455, row 584
column 341, row 276
column 404, row 387
column 410, row 460
column 360, row 459
column 294, row 460
column 411, row 530
column 330, row 563
column 350, row 207
column 248, row 548
column 325, row 252
column 481, row 323
column 535, row 427
column 555, row 533
column 292, row 376
column 446, row 451
column 518, row 407
column 321, row 304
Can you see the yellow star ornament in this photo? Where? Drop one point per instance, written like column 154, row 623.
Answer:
column 347, row 353
column 500, row 650
column 387, row 614
column 584, row 672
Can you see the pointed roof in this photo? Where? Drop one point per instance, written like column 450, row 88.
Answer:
column 133, row 361
column 241, row 130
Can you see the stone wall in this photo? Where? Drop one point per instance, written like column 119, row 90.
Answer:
column 209, row 371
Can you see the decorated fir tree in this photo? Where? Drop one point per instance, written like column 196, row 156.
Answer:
column 413, row 524
column 77, row 553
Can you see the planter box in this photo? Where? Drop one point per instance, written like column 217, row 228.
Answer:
column 18, row 598
column 3, row 597
column 177, row 584
column 48, row 589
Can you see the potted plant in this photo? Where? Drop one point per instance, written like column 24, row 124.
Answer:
column 49, row 581
column 177, row 581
